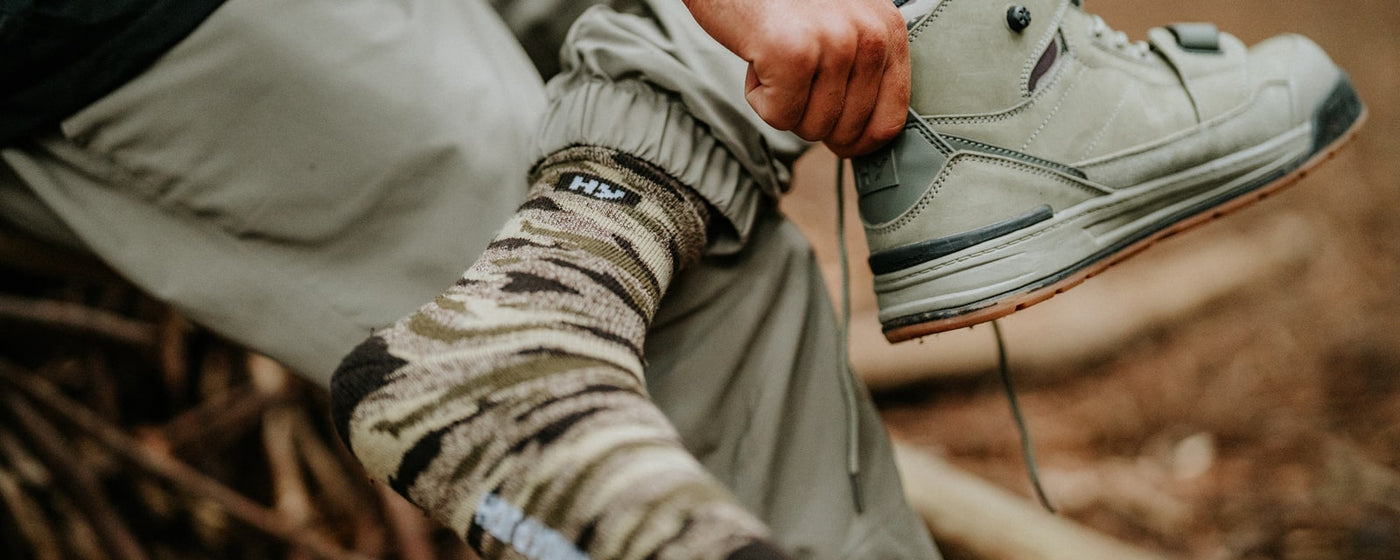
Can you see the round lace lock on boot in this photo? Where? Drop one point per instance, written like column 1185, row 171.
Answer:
column 1018, row 17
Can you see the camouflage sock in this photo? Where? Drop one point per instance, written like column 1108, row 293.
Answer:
column 513, row 409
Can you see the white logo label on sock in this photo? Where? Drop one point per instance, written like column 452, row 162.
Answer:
column 597, row 188
column 525, row 534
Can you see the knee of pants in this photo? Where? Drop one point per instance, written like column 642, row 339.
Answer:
column 302, row 120
column 742, row 332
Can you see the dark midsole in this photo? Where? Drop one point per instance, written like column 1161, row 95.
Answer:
column 1334, row 117
column 908, row 256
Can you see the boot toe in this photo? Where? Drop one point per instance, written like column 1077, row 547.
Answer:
column 1299, row 64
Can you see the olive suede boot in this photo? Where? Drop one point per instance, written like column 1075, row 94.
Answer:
column 1042, row 147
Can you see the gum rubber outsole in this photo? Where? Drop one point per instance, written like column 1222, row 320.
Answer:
column 1016, row 302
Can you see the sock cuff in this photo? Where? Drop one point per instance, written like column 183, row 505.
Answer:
column 607, row 179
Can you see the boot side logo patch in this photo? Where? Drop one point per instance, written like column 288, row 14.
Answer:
column 876, row 172
column 596, row 187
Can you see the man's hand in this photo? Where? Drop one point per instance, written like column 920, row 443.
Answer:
column 834, row 71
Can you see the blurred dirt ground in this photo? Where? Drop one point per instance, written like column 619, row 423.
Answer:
column 1233, row 392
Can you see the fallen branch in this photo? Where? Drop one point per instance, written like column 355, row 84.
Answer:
column 180, row 475
column 76, row 318
column 412, row 531
column 229, row 414
column 994, row 524
column 334, row 485
column 45, row 259
column 49, row 444
column 174, row 354
column 39, row 531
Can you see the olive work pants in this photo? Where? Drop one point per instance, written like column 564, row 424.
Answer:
column 296, row 173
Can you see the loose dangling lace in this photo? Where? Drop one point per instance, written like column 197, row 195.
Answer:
column 848, row 387
column 848, row 382
column 1027, row 451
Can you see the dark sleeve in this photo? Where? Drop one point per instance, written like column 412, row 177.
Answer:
column 61, row 55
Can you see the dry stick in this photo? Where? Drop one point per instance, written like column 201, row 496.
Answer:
column 39, row 530
column 290, row 495
column 172, row 470
column 371, row 529
column 335, row 485
column 412, row 529
column 103, row 388
column 73, row 317
column 234, row 411
column 994, row 524
column 216, row 373
column 82, row 539
column 174, row 355
column 17, row 460
column 369, row 536
column 45, row 259
column 22, row 469
column 49, row 444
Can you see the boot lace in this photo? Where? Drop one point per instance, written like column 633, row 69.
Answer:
column 1118, row 39
column 849, row 387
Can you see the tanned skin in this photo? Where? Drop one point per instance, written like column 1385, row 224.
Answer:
column 831, row 71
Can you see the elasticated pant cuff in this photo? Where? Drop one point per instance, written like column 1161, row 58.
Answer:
column 630, row 117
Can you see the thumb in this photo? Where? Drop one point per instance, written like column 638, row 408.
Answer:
column 757, row 95
column 781, row 107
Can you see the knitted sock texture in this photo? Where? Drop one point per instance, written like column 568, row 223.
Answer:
column 513, row 408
